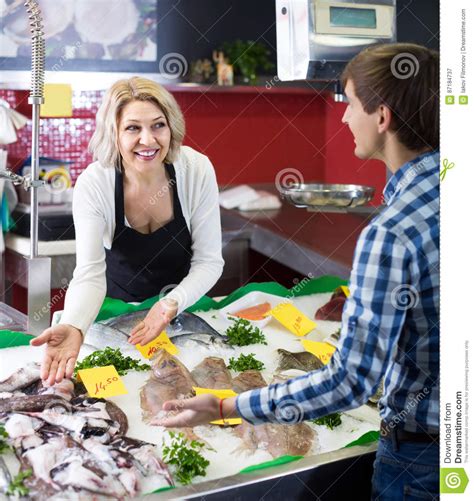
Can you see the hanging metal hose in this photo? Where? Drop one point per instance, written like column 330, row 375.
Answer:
column 36, row 99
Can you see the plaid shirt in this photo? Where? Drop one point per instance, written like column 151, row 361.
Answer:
column 390, row 323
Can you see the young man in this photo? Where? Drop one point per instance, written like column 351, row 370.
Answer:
column 390, row 325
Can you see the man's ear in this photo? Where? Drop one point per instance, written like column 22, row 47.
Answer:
column 384, row 118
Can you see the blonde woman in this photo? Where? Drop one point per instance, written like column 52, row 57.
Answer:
column 147, row 221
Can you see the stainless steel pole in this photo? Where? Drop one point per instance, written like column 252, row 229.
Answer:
column 39, row 268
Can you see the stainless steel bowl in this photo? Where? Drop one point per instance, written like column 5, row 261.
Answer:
column 327, row 195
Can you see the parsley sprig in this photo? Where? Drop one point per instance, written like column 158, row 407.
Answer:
column 109, row 356
column 17, row 485
column 4, row 447
column 243, row 333
column 186, row 456
column 330, row 421
column 245, row 362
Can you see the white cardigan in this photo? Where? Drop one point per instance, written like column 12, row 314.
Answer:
column 94, row 221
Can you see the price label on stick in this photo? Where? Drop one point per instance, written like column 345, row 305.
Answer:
column 162, row 342
column 324, row 351
column 102, row 382
column 219, row 394
column 346, row 290
column 293, row 319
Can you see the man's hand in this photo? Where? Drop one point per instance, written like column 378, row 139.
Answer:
column 154, row 323
column 189, row 412
column 195, row 411
column 63, row 345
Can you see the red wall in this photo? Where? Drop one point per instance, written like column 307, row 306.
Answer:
column 250, row 134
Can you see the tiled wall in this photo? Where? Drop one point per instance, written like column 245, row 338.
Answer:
column 249, row 135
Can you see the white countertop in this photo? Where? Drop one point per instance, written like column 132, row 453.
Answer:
column 21, row 245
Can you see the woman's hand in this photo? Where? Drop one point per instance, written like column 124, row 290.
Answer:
column 158, row 318
column 195, row 411
column 63, row 343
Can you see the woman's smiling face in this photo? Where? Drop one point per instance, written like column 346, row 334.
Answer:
column 143, row 136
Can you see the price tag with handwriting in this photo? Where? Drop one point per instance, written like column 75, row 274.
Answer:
column 162, row 342
column 324, row 351
column 102, row 382
column 293, row 319
column 220, row 394
column 346, row 290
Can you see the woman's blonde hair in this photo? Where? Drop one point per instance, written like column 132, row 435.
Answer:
column 104, row 142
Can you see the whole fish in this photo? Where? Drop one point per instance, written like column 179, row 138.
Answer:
column 33, row 403
column 248, row 380
column 212, row 373
column 303, row 361
column 278, row 439
column 21, row 378
column 169, row 380
column 186, row 327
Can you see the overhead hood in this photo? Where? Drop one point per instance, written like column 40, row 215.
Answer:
column 316, row 38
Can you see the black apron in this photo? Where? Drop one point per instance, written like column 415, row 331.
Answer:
column 140, row 265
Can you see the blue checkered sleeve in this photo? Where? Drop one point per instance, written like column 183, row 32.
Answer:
column 371, row 325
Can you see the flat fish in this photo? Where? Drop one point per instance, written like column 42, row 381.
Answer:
column 21, row 378
column 169, row 380
column 185, row 327
column 248, row 380
column 303, row 361
column 278, row 439
column 212, row 373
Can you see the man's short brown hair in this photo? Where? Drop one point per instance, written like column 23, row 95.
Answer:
column 404, row 77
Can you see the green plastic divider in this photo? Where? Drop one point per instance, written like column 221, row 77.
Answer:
column 161, row 490
column 271, row 464
column 114, row 307
column 366, row 438
column 10, row 339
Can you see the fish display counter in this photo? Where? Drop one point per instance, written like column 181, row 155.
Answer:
column 71, row 444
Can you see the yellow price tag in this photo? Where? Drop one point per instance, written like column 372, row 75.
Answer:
column 292, row 318
column 346, row 290
column 57, row 101
column 102, row 382
column 324, row 351
column 162, row 342
column 219, row 394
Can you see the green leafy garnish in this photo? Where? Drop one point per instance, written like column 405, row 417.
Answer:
column 109, row 356
column 245, row 362
column 243, row 333
column 17, row 486
column 185, row 456
column 330, row 421
column 4, row 447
